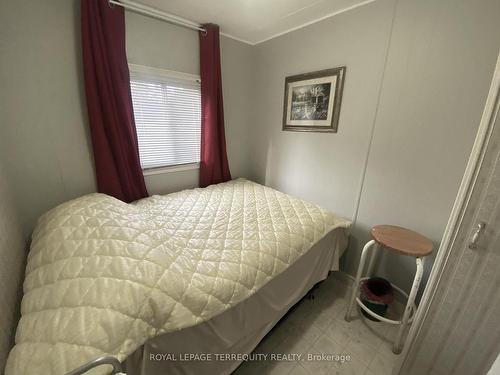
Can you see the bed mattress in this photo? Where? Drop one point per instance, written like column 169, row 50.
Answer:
column 217, row 346
column 103, row 277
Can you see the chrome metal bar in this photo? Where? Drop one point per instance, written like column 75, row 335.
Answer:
column 156, row 13
column 101, row 361
column 373, row 258
column 375, row 315
column 398, row 344
column 355, row 286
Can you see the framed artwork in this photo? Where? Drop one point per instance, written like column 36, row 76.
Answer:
column 312, row 100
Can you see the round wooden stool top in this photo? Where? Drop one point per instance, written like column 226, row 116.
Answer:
column 402, row 240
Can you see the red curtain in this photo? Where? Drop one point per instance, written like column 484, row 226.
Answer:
column 109, row 102
column 214, row 167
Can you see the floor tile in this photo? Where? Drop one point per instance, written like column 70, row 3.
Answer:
column 370, row 333
column 310, row 333
column 359, row 351
column 340, row 331
column 299, row 370
column 348, row 368
column 323, row 346
column 382, row 365
column 386, row 349
column 335, row 305
column 317, row 367
column 321, row 317
column 317, row 326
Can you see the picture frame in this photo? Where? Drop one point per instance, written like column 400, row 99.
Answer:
column 312, row 100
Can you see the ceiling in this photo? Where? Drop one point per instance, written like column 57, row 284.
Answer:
column 255, row 21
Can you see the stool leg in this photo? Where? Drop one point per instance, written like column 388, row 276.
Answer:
column 355, row 286
column 398, row 344
column 371, row 263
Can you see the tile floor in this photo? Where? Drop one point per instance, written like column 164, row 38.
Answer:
column 317, row 326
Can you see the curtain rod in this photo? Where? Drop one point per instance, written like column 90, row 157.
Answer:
column 156, row 13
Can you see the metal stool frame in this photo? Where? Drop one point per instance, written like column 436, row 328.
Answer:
column 410, row 304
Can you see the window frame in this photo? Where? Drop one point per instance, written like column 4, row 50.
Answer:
column 136, row 71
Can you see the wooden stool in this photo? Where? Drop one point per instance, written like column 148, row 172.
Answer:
column 402, row 241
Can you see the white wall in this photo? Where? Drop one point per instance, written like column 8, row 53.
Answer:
column 439, row 64
column 325, row 168
column 44, row 140
column 44, row 137
column 12, row 258
column 238, row 73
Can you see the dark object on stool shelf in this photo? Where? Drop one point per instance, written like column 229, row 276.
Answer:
column 377, row 295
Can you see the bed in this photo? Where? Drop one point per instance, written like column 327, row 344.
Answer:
column 199, row 271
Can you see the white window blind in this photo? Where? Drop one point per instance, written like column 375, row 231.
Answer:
column 167, row 111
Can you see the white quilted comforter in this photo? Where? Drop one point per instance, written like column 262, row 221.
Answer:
column 104, row 276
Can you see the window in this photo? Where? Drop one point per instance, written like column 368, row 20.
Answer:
column 167, row 111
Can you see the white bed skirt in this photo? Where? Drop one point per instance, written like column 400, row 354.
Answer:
column 239, row 329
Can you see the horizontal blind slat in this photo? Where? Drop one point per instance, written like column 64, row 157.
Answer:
column 168, row 121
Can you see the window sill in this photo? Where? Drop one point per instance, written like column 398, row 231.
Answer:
column 171, row 169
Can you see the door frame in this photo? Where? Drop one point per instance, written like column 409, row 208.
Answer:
column 476, row 158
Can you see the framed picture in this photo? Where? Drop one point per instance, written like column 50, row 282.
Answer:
column 312, row 100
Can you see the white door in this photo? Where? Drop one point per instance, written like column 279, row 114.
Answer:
column 459, row 332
